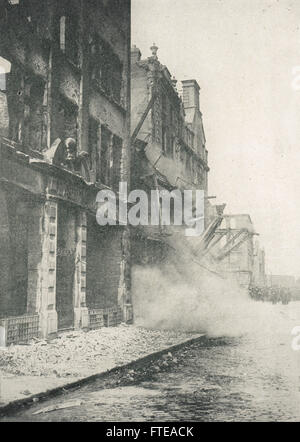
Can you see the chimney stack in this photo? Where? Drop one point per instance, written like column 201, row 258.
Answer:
column 135, row 54
column 190, row 89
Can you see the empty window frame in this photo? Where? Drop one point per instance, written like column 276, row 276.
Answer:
column 35, row 126
column 106, row 68
column 69, row 35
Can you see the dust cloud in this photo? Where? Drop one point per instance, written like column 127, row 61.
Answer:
column 186, row 297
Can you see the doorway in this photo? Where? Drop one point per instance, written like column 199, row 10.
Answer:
column 65, row 269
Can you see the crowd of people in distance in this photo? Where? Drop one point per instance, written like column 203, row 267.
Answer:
column 270, row 294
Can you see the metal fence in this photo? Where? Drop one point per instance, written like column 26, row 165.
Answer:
column 108, row 317
column 18, row 329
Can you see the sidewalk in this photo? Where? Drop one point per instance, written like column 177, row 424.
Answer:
column 26, row 370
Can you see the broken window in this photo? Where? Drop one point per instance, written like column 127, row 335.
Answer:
column 116, row 80
column 35, row 126
column 106, row 68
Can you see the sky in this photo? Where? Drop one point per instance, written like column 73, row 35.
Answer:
column 242, row 53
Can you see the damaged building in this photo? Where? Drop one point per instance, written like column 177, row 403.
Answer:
column 169, row 146
column 65, row 135
column 233, row 248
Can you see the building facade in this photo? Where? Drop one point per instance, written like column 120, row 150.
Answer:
column 169, row 146
column 65, row 135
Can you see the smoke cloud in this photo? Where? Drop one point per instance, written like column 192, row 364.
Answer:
column 185, row 296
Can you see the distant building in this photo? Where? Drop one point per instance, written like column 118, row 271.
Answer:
column 235, row 252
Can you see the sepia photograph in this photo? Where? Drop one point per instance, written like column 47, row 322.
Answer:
column 149, row 210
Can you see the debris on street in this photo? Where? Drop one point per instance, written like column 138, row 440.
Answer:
column 46, row 364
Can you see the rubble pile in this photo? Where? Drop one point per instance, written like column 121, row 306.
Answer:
column 80, row 354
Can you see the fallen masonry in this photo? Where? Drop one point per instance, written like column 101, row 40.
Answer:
column 93, row 392
column 42, row 365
